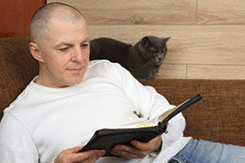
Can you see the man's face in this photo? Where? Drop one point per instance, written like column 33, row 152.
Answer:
column 65, row 54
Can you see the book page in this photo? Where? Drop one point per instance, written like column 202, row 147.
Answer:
column 167, row 113
column 138, row 125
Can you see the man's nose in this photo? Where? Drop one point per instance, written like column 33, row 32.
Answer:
column 78, row 54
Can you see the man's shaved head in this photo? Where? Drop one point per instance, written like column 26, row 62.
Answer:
column 39, row 27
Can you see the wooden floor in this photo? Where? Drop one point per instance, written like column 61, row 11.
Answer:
column 207, row 37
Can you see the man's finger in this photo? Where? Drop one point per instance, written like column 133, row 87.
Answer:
column 152, row 145
column 128, row 152
column 71, row 155
column 88, row 155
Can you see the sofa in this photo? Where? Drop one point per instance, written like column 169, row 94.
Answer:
column 219, row 116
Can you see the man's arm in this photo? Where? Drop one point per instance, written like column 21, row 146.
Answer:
column 16, row 144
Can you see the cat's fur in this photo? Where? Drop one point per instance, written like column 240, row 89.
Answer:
column 142, row 60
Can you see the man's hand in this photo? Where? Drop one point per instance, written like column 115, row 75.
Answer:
column 139, row 149
column 70, row 155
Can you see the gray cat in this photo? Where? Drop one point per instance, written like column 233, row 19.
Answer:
column 142, row 60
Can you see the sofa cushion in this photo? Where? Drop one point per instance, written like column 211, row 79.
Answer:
column 17, row 69
column 218, row 117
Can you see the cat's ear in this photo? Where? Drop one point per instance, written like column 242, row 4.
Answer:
column 164, row 40
column 145, row 42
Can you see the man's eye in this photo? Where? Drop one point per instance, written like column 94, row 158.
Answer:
column 84, row 45
column 64, row 49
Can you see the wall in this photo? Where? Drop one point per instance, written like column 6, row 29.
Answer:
column 15, row 16
column 207, row 37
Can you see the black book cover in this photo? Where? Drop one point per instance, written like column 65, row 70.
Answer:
column 108, row 138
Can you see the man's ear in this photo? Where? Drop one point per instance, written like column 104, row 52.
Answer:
column 35, row 51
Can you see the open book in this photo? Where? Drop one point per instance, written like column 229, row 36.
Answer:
column 108, row 138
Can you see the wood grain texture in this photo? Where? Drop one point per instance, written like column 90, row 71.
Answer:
column 215, row 72
column 130, row 12
column 172, row 71
column 193, row 51
column 188, row 44
column 221, row 12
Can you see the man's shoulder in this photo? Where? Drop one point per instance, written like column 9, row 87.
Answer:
column 105, row 65
column 104, row 69
column 14, row 106
column 102, row 62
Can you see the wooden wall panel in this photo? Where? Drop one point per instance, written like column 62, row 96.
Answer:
column 150, row 12
column 221, row 12
column 209, row 45
column 172, row 71
column 215, row 72
column 188, row 44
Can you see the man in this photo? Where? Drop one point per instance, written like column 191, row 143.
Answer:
column 71, row 97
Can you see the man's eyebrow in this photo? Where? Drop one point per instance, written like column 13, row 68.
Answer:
column 86, row 40
column 69, row 44
column 63, row 43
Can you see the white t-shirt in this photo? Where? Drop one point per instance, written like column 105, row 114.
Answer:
column 42, row 121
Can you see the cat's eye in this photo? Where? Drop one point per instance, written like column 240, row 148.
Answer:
column 152, row 48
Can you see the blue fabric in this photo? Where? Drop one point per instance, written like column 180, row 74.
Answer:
column 200, row 151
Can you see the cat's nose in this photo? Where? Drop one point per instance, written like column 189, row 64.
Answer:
column 159, row 58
